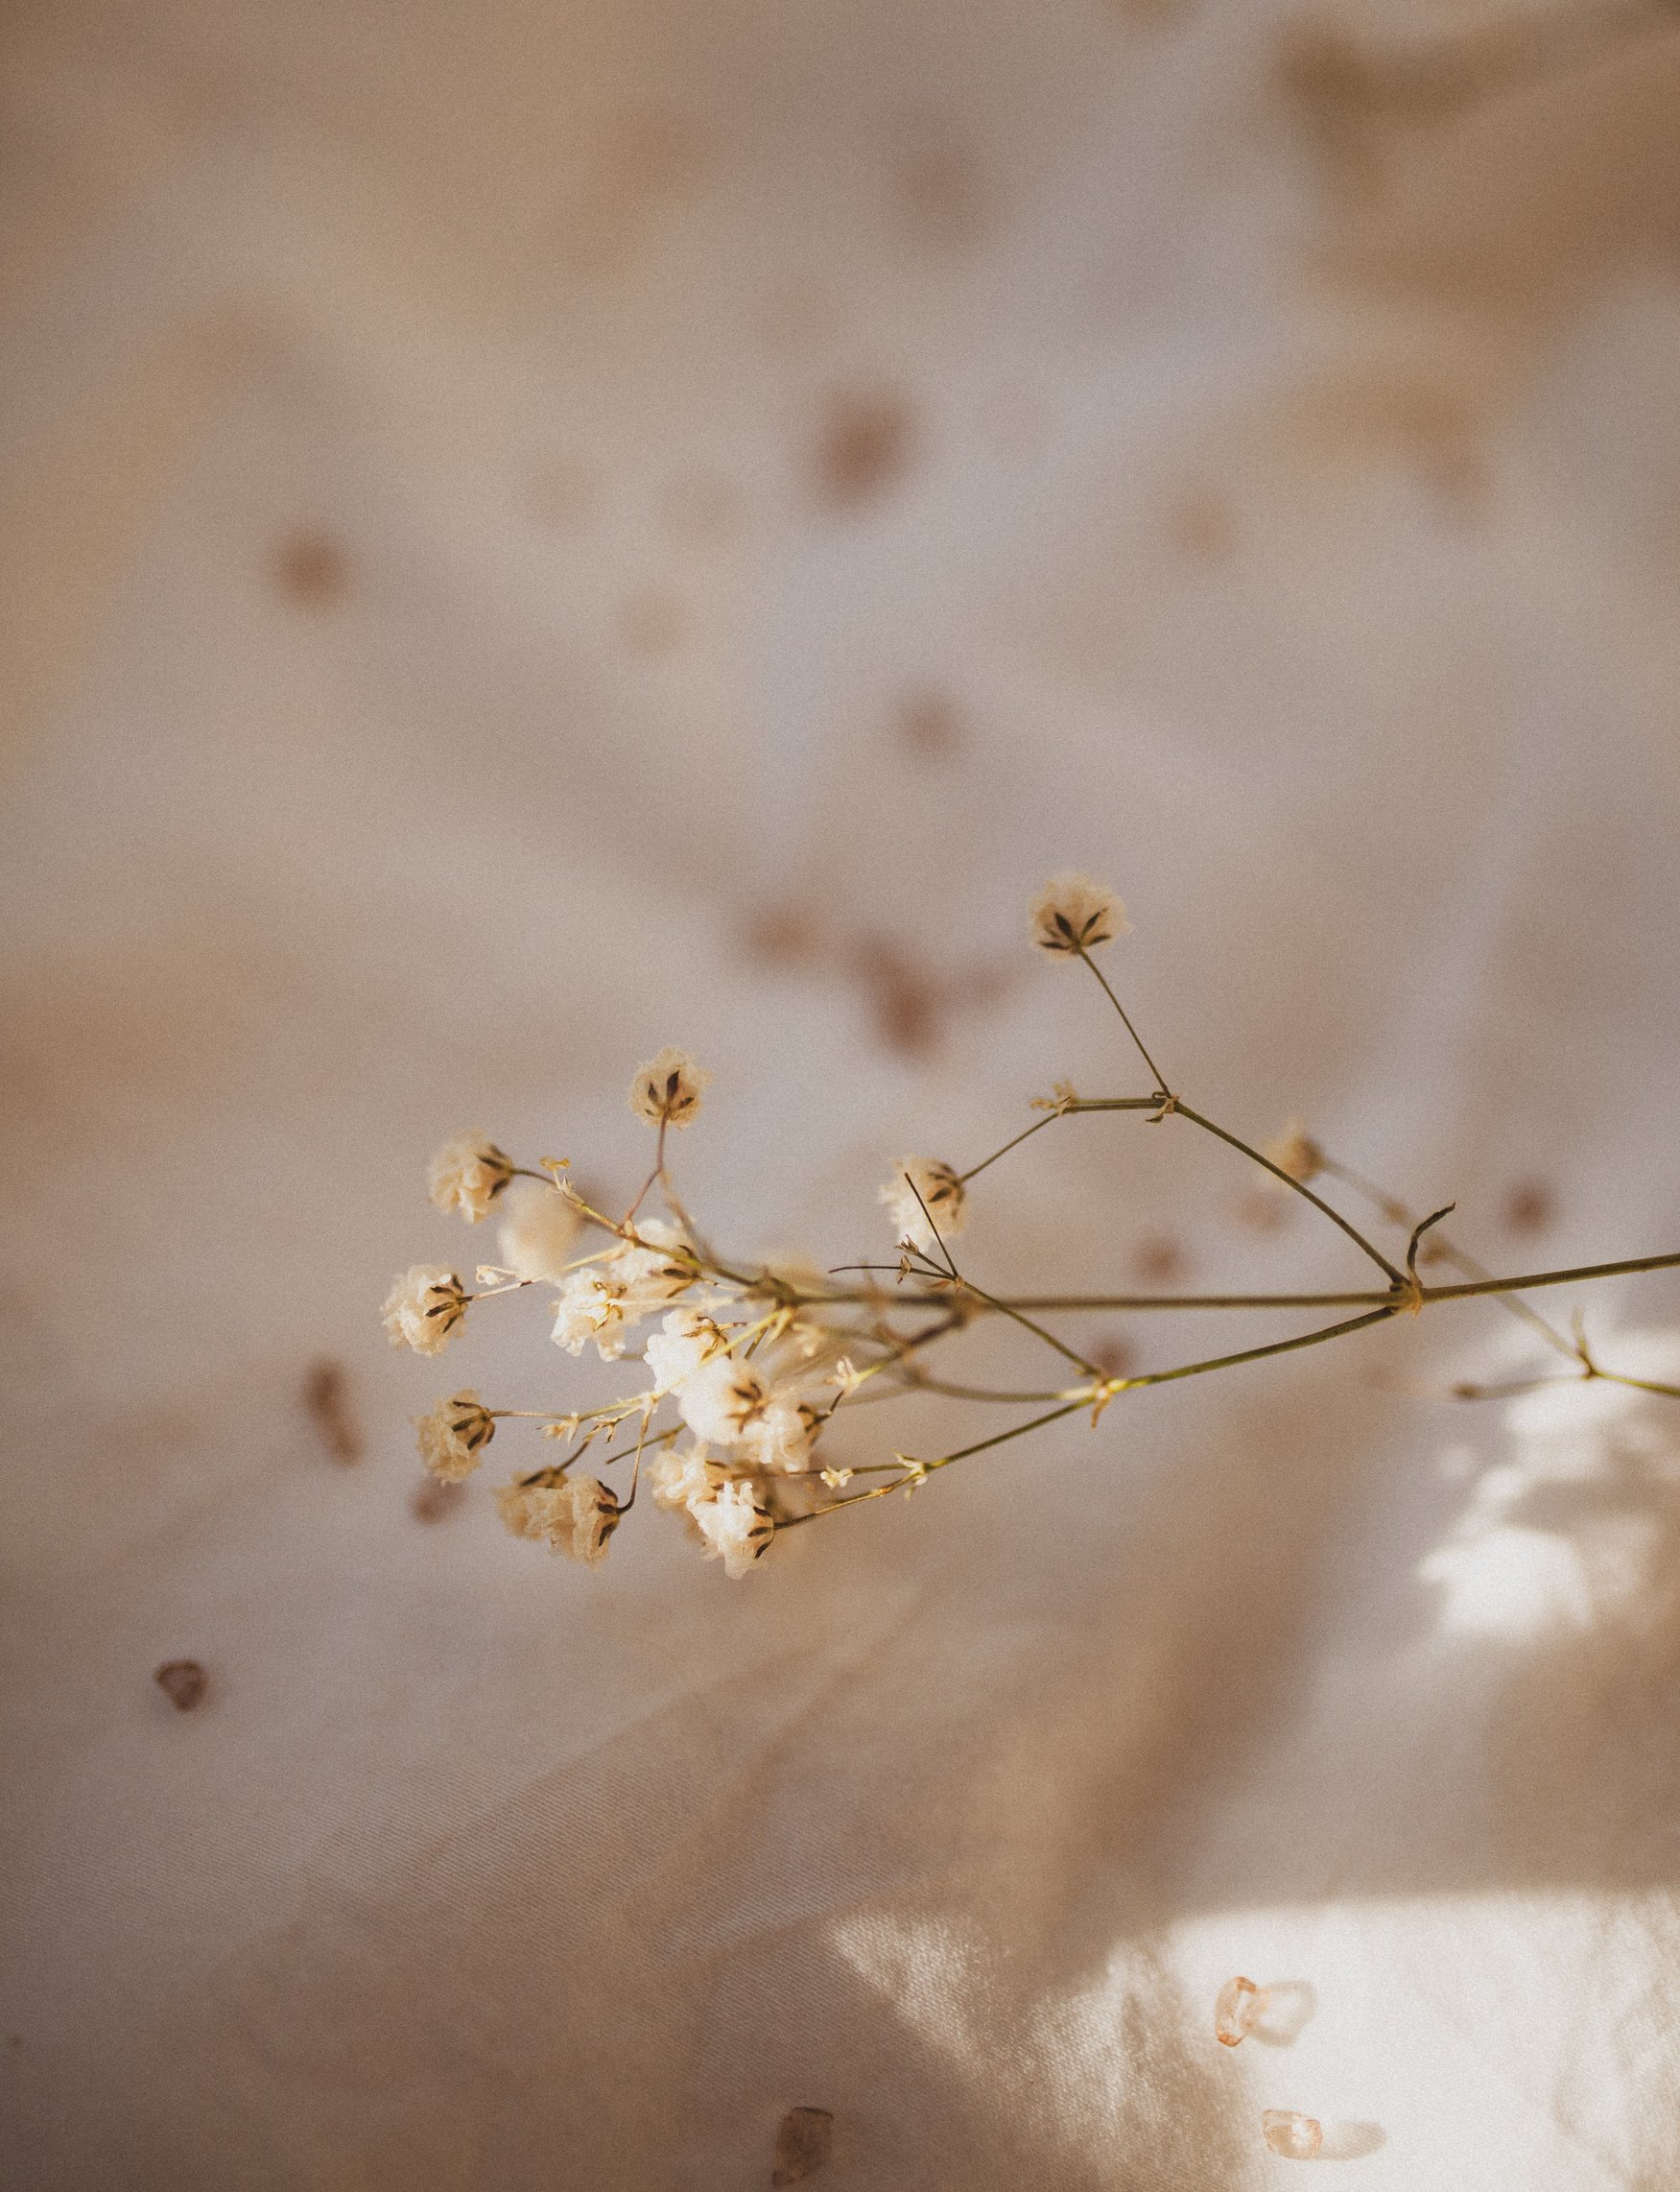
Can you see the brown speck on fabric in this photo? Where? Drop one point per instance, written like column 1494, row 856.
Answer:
column 312, row 570
column 434, row 1501
column 862, row 448
column 1160, row 1261
column 1529, row 1207
column 327, row 1399
column 651, row 623
column 184, row 1682
column 929, row 725
column 804, row 2140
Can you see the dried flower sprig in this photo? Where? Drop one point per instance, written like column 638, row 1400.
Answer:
column 750, row 1363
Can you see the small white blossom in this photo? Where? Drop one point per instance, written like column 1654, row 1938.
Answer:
column 685, row 1340
column 467, row 1175
column 736, row 1528
column 575, row 1517
column 943, row 1201
column 656, row 1273
column 679, row 1477
column 780, row 1437
column 590, row 1307
column 454, row 1436
column 1073, row 913
column 424, row 1307
column 722, row 1401
column 537, row 1234
column 667, row 1090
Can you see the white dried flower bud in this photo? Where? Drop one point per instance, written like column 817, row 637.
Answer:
column 722, row 1401
column 454, row 1436
column 467, row 1175
column 685, row 1340
column 657, row 1271
column 681, row 1476
column 667, row 1090
column 780, row 1439
column 590, row 1307
column 424, row 1307
column 1073, row 913
column 575, row 1517
column 537, row 1234
column 943, row 1201
column 736, row 1527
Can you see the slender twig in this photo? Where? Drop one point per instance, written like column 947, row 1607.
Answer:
column 1449, row 1251
column 1062, row 1112
column 1300, row 1187
column 1125, row 1019
column 1256, row 1354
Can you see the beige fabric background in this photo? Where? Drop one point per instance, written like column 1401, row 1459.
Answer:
column 536, row 531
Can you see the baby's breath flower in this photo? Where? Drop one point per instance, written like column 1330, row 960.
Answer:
column 590, row 1307
column 736, row 1527
column 686, row 1340
column 467, row 1175
column 1296, row 1153
column 575, row 1516
column 681, row 1476
column 657, row 1271
column 941, row 1192
column 601, row 1302
column 537, row 1234
column 667, row 1090
column 722, row 1399
column 454, row 1436
column 1073, row 914
column 424, row 1307
column 780, row 1437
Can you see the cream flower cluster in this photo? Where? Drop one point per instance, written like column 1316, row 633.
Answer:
column 667, row 1090
column 740, row 1370
column 1074, row 915
column 467, row 1175
column 606, row 1299
column 574, row 1516
column 732, row 1375
column 424, row 1307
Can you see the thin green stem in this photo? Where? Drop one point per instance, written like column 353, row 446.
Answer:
column 1126, row 1018
column 917, row 1381
column 1037, row 1330
column 1003, row 1438
column 1300, row 1187
column 1529, row 1280
column 1256, row 1354
column 1393, row 1209
column 1061, row 1111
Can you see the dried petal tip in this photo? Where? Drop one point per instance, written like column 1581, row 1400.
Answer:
column 424, row 1307
column 1073, row 913
column 667, row 1090
column 803, row 2140
column 1296, row 1153
column 184, row 1682
column 1238, row 2009
column 927, row 1203
column 454, row 1436
column 574, row 1516
column 1286, row 2132
column 467, row 1175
